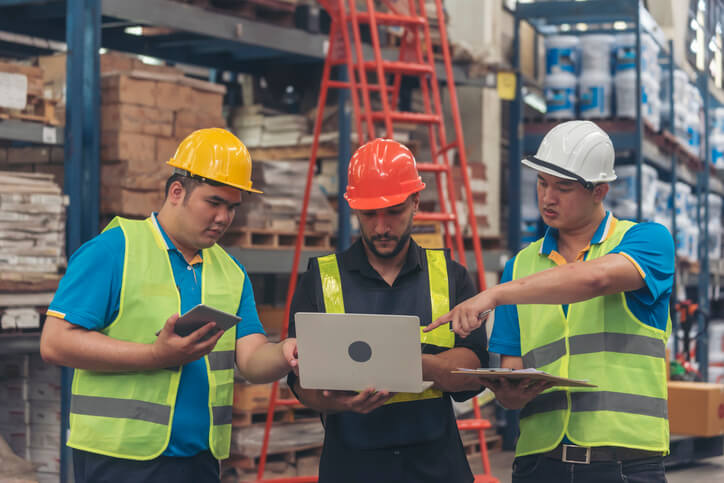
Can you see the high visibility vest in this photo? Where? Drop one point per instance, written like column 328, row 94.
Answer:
column 129, row 414
column 602, row 341
column 439, row 299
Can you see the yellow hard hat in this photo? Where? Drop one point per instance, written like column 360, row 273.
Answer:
column 217, row 155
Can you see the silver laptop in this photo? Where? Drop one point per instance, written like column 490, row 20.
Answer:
column 352, row 352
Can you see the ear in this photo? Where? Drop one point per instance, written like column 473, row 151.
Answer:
column 600, row 191
column 415, row 202
column 176, row 193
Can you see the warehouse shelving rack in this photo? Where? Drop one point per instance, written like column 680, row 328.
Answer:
column 630, row 136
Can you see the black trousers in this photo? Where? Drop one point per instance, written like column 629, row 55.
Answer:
column 540, row 469
column 96, row 468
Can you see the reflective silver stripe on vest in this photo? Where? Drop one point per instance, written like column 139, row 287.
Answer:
column 615, row 342
column 597, row 401
column 619, row 402
column 120, row 408
column 221, row 360
column 590, row 343
column 546, row 354
column 222, row 415
column 550, row 401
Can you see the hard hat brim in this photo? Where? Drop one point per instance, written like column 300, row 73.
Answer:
column 379, row 202
column 531, row 162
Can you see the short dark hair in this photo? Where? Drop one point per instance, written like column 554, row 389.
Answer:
column 189, row 183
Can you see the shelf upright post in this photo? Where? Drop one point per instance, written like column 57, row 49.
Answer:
column 82, row 146
column 515, row 143
column 343, row 154
column 702, row 191
column 639, row 120
column 674, row 164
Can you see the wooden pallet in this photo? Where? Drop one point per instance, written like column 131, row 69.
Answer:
column 282, row 414
column 275, row 239
column 38, row 110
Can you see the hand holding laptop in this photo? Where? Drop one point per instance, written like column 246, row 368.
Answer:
column 362, row 402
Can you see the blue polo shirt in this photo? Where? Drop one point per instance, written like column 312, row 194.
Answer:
column 89, row 296
column 649, row 246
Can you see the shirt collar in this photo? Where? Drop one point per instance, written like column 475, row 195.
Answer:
column 355, row 259
column 167, row 241
column 604, row 230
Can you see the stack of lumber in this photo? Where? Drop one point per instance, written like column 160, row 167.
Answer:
column 32, row 246
column 257, row 127
column 22, row 95
column 279, row 207
column 145, row 114
column 34, row 159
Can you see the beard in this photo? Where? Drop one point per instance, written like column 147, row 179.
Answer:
column 401, row 242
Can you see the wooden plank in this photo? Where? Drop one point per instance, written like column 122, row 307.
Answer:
column 32, row 299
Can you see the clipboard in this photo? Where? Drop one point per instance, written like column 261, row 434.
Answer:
column 519, row 374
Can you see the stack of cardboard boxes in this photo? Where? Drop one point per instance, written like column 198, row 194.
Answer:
column 144, row 116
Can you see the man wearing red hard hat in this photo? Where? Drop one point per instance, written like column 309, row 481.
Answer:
column 374, row 435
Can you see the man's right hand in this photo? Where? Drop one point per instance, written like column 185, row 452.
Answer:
column 515, row 395
column 170, row 349
column 363, row 402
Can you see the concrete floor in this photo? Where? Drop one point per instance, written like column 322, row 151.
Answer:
column 706, row 471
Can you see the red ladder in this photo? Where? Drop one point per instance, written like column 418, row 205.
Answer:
column 382, row 78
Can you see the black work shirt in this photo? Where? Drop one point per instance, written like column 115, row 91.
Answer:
column 411, row 441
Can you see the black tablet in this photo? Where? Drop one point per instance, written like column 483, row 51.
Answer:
column 201, row 315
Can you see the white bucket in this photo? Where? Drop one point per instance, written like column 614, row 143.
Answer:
column 625, row 81
column 561, row 54
column 560, row 93
column 596, row 53
column 595, row 94
column 625, row 52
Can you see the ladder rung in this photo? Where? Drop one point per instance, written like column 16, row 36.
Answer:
column 434, row 167
column 348, row 85
column 445, row 148
column 430, row 216
column 401, row 67
column 392, row 19
column 415, row 117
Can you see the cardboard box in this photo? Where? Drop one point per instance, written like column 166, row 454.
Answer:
column 126, row 90
column 45, row 412
column 696, row 408
column 17, row 436
column 39, row 390
column 121, row 145
column 136, row 119
column 12, row 367
column 44, row 436
column 46, row 460
column 272, row 318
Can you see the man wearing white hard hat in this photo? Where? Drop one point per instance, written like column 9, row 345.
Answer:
column 589, row 300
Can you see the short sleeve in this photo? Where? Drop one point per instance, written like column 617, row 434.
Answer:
column 89, row 293
column 650, row 247
column 250, row 323
column 505, row 338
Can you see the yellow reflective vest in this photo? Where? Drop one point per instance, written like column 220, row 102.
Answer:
column 129, row 414
column 602, row 341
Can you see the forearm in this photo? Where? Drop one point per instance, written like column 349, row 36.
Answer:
column 437, row 367
column 570, row 283
column 266, row 363
column 63, row 344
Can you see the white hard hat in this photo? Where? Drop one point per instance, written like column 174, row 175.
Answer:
column 576, row 150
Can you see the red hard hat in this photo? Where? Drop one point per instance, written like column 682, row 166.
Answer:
column 381, row 173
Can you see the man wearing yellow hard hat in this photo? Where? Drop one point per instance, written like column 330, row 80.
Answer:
column 148, row 404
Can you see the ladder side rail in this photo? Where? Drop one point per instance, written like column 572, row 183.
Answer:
column 477, row 249
column 459, row 245
column 381, row 79
column 345, row 20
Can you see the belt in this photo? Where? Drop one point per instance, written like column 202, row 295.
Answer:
column 570, row 453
